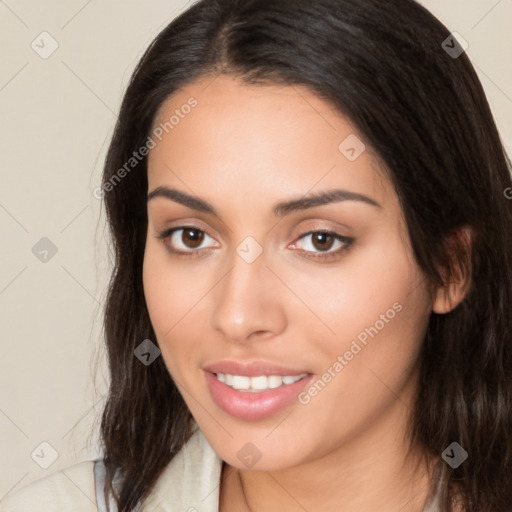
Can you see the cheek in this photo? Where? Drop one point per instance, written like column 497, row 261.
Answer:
column 351, row 297
column 378, row 311
column 165, row 297
column 170, row 291
column 379, row 315
column 157, row 294
column 175, row 299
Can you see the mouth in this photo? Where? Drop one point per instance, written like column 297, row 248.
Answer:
column 254, row 391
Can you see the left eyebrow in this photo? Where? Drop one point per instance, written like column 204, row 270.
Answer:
column 320, row 199
column 279, row 210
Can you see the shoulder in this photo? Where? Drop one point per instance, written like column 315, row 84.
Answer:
column 191, row 480
column 71, row 488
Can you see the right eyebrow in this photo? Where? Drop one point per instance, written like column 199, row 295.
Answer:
column 180, row 197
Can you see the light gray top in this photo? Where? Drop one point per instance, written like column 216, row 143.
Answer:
column 189, row 483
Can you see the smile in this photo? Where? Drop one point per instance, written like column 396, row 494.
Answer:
column 259, row 383
column 256, row 397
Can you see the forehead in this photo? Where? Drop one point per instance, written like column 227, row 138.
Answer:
column 259, row 138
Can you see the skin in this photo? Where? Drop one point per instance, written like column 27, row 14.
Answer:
column 243, row 149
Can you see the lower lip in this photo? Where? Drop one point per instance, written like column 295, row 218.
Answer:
column 253, row 406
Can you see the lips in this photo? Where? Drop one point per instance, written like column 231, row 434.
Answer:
column 253, row 368
column 252, row 406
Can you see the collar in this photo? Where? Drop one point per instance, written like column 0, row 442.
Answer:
column 191, row 481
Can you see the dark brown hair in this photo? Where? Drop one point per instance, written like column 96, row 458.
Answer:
column 424, row 112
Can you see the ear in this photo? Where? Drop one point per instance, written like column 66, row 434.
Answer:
column 457, row 279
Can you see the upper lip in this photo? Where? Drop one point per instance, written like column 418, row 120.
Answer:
column 253, row 368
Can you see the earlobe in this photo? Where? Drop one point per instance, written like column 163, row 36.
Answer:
column 458, row 281
column 449, row 297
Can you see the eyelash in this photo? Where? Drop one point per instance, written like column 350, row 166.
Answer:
column 164, row 235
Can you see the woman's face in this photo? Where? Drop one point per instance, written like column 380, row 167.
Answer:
column 256, row 292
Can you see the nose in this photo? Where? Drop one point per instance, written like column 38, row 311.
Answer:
column 249, row 302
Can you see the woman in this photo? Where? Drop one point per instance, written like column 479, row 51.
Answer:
column 310, row 308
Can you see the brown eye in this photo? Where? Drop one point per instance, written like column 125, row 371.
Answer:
column 186, row 240
column 323, row 245
column 322, row 241
column 192, row 238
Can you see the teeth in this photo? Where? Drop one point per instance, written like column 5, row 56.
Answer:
column 274, row 381
column 290, row 380
column 240, row 382
column 260, row 383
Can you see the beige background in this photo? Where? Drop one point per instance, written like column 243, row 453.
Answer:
column 57, row 116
